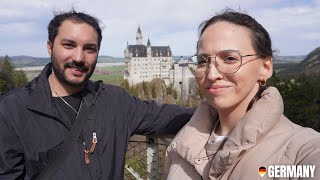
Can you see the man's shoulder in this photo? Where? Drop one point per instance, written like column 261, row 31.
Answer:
column 112, row 89
column 13, row 94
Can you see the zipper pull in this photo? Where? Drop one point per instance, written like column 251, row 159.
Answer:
column 94, row 142
column 86, row 153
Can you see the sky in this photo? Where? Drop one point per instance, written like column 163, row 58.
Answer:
column 294, row 25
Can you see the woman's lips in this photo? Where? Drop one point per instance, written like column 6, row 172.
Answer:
column 216, row 89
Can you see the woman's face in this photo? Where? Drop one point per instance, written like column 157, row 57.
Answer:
column 230, row 91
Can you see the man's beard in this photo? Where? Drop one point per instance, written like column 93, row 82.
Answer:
column 62, row 77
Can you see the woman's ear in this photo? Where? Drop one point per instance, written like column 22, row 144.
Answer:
column 267, row 68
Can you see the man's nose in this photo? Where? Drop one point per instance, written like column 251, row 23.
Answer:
column 78, row 55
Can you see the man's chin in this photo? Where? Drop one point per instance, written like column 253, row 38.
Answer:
column 76, row 82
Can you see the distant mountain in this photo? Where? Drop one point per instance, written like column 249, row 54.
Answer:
column 109, row 59
column 311, row 64
column 276, row 59
column 27, row 61
column 23, row 61
column 288, row 59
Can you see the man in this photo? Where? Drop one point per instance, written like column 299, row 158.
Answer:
column 35, row 119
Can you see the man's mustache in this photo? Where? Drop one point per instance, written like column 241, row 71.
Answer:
column 73, row 64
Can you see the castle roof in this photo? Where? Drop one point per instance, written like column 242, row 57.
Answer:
column 156, row 51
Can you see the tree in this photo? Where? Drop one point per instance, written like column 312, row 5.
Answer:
column 125, row 85
column 153, row 91
column 145, row 90
column 301, row 99
column 9, row 77
column 2, row 86
column 170, row 89
column 19, row 78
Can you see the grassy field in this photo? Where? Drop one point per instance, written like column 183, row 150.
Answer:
column 109, row 75
column 114, row 79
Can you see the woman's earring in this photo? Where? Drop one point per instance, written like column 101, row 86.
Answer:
column 263, row 82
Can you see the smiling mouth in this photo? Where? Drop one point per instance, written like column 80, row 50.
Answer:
column 76, row 66
column 215, row 89
column 77, row 71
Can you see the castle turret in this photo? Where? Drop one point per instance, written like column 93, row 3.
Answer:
column 139, row 36
column 149, row 48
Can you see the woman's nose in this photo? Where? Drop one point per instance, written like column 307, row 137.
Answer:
column 212, row 71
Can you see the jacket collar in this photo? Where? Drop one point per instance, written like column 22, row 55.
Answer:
column 40, row 98
column 258, row 121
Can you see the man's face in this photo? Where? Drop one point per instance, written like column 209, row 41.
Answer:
column 74, row 53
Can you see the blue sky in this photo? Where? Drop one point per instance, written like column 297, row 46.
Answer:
column 294, row 25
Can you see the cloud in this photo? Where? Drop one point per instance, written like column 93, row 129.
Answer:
column 166, row 22
column 292, row 29
column 19, row 29
column 312, row 36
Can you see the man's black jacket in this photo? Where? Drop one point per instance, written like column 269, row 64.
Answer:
column 32, row 128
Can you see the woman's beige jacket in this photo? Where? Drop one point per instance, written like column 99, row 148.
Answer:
column 263, row 137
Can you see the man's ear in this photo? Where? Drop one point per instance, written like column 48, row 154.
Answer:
column 49, row 47
column 267, row 68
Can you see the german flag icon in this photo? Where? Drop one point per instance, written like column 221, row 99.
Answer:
column 262, row 171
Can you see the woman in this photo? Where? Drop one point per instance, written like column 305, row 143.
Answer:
column 240, row 127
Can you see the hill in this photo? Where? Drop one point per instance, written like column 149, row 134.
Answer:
column 311, row 64
column 110, row 59
column 28, row 61
column 276, row 59
column 23, row 61
column 288, row 59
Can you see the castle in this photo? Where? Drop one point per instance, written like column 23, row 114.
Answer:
column 146, row 62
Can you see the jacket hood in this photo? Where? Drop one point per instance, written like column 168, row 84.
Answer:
column 256, row 124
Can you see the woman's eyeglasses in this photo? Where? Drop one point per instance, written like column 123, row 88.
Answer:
column 226, row 61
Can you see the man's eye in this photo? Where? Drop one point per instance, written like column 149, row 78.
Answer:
column 91, row 49
column 67, row 45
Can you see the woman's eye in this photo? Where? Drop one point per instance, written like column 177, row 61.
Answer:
column 202, row 61
column 230, row 59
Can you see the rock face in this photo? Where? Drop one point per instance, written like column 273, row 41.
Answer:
column 311, row 63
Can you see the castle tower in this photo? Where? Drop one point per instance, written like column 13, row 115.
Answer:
column 139, row 36
column 148, row 48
